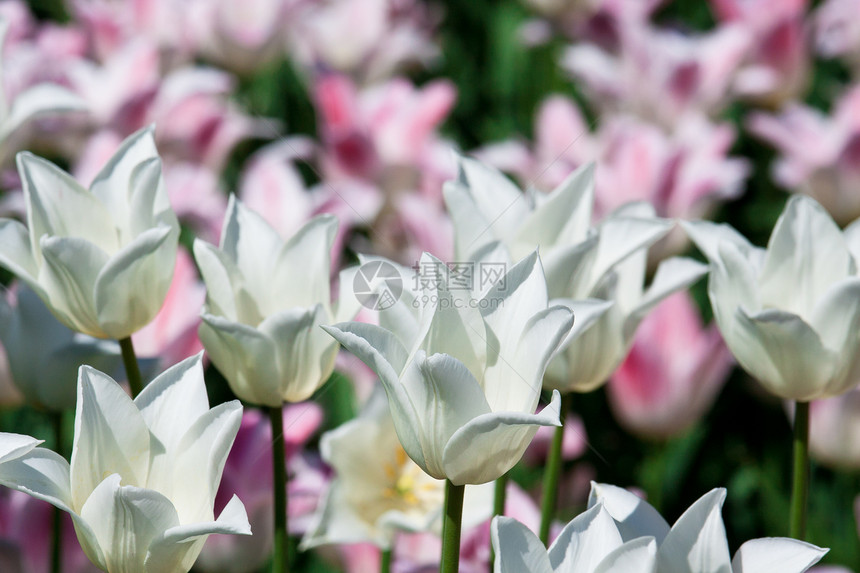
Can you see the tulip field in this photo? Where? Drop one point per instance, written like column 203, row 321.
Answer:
column 518, row 286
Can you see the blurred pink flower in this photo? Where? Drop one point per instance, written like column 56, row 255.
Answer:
column 25, row 541
column 660, row 75
column 837, row 30
column 248, row 474
column 777, row 63
column 658, row 392
column 834, row 430
column 368, row 39
column 241, row 36
column 573, row 444
column 819, row 154
column 172, row 335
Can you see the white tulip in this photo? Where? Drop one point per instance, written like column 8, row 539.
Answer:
column 596, row 271
column 143, row 477
column 377, row 490
column 463, row 396
column 101, row 259
column 790, row 314
column 697, row 542
column 265, row 301
column 590, row 543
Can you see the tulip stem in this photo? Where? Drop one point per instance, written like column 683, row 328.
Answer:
column 498, row 509
column 132, row 369
column 57, row 515
column 800, row 482
column 552, row 473
column 451, row 527
column 280, row 562
column 385, row 561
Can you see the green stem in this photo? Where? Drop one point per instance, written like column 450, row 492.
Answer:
column 552, row 473
column 280, row 563
column 498, row 509
column 385, row 562
column 800, row 482
column 57, row 516
column 132, row 369
column 451, row 527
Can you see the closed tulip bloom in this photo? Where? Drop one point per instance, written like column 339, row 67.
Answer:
column 101, row 259
column 265, row 301
column 697, row 542
column 141, row 484
column 463, row 396
column 791, row 313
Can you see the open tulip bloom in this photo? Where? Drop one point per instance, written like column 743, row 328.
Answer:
column 142, row 481
column 101, row 259
column 621, row 533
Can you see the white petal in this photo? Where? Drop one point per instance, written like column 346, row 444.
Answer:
column 634, row 516
column 16, row 254
column 733, row 284
column 783, row 353
column 219, row 273
column 836, row 319
column 491, row 444
column 585, row 541
column 15, row 445
column 58, row 205
column 697, row 541
column 310, row 251
column 473, row 231
column 42, row 474
column 39, row 100
column 710, row 237
column 776, row 555
column 131, row 287
column 806, row 254
column 110, row 436
column 69, row 276
column 447, row 396
column 457, row 328
column 565, row 216
column 637, row 556
column 517, row 548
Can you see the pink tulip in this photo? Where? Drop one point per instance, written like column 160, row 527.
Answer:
column 248, row 474
column 658, row 392
column 777, row 64
column 834, row 430
column 368, row 39
column 172, row 335
column 819, row 154
column 837, row 30
column 25, row 539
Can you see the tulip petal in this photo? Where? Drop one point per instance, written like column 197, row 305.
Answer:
column 697, row 541
column 586, row 312
column 782, row 352
column 776, row 555
column 491, row 444
column 309, row 250
column 806, row 250
column 149, row 208
column 732, row 284
column 634, row 516
column 204, row 448
column 110, row 436
column 636, row 556
column 448, row 396
column 517, row 548
column 585, row 541
column 384, row 354
column 69, row 276
column 836, row 318
column 474, row 231
column 113, row 183
column 456, row 328
column 564, row 217
column 567, row 266
column 16, row 445
column 305, row 355
column 173, row 402
column 40, row 473
column 16, row 254
column 245, row 356
column 711, row 237
column 38, row 100
column 131, row 287
column 57, row 205
column 218, row 271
